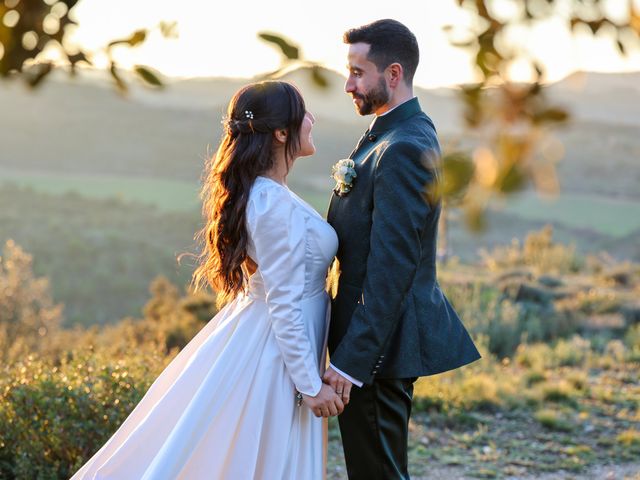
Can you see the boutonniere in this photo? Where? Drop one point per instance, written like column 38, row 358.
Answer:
column 343, row 172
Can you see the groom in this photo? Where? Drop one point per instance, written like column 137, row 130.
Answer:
column 390, row 321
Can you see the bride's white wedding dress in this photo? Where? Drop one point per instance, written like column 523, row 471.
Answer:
column 225, row 407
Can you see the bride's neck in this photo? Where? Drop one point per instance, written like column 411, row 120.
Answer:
column 279, row 171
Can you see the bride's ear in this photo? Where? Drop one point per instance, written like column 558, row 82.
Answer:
column 280, row 135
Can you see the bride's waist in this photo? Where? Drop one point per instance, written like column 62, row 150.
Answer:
column 257, row 292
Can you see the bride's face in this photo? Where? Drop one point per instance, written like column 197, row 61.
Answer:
column 306, row 139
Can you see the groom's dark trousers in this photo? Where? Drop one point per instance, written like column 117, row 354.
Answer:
column 390, row 321
column 375, row 429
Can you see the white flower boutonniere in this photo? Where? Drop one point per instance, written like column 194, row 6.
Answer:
column 343, row 172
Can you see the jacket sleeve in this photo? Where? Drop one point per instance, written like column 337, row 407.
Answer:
column 277, row 231
column 399, row 216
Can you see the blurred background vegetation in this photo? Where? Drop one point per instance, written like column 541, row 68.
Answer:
column 98, row 196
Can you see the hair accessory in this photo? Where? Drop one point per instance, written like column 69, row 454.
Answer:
column 248, row 114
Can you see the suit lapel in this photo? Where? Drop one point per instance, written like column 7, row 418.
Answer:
column 335, row 198
column 359, row 144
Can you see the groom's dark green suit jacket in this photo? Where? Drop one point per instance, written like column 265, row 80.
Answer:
column 390, row 318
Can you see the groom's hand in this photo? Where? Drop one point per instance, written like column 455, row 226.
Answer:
column 341, row 385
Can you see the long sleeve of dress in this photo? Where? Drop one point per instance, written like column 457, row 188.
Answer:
column 276, row 229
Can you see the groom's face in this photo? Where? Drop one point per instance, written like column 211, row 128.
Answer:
column 366, row 85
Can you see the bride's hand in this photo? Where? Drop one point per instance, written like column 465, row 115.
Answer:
column 326, row 403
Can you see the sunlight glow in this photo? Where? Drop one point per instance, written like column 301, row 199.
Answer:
column 217, row 40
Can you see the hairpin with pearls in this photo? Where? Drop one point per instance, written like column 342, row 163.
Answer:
column 248, row 114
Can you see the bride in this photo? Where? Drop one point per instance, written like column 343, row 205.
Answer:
column 245, row 399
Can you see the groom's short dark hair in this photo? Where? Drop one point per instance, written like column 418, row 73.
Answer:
column 390, row 42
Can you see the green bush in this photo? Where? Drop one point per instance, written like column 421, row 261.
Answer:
column 538, row 252
column 63, row 392
column 534, row 357
column 28, row 315
column 534, row 377
column 632, row 337
column 506, row 322
column 571, row 352
column 560, row 392
column 59, row 404
column 53, row 418
column 554, row 420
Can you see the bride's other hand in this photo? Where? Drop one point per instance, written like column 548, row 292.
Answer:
column 325, row 404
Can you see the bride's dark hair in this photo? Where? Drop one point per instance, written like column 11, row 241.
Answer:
column 245, row 151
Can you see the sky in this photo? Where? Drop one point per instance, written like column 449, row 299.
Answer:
column 220, row 39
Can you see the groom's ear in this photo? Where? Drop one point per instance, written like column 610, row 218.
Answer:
column 280, row 135
column 395, row 74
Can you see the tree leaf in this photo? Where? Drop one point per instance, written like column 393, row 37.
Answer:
column 136, row 38
column 511, row 180
column 595, row 25
column 457, row 172
column 551, row 114
column 37, row 72
column 169, row 29
column 148, row 75
column 289, row 50
column 120, row 83
column 539, row 70
column 78, row 57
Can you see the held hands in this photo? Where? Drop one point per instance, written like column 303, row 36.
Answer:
column 325, row 404
column 332, row 397
column 340, row 385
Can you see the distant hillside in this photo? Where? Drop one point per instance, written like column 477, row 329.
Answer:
column 134, row 164
column 601, row 97
column 82, row 126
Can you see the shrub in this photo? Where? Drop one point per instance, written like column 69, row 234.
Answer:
column 506, row 322
column 553, row 420
column 535, row 377
column 571, row 352
column 538, row 252
column 632, row 340
column 629, row 437
column 480, row 391
column 592, row 302
column 53, row 418
column 578, row 380
column 535, row 357
column 28, row 315
column 560, row 392
column 616, row 351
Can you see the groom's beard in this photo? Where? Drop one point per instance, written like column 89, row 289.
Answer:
column 373, row 99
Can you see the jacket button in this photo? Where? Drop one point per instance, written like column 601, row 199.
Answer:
column 372, row 137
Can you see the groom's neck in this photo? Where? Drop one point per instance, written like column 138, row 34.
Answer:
column 397, row 97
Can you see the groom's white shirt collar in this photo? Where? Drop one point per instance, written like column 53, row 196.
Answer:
column 388, row 111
